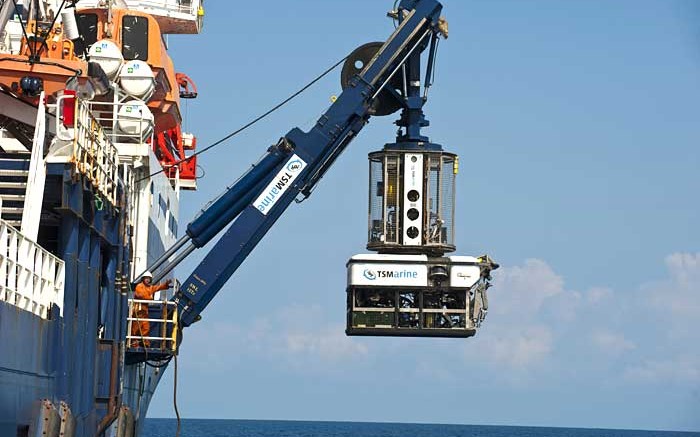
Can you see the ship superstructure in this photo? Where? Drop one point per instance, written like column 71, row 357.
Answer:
column 89, row 109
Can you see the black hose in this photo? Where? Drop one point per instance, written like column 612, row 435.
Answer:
column 177, row 413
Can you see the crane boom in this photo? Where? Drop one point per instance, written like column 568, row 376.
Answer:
column 292, row 167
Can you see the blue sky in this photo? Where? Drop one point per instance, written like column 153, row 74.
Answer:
column 576, row 123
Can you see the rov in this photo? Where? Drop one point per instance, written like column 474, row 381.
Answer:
column 410, row 287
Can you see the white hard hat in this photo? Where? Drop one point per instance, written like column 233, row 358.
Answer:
column 147, row 274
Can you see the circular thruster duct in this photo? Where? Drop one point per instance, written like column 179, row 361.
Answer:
column 385, row 103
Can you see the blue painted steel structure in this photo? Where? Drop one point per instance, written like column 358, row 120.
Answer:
column 95, row 247
column 75, row 357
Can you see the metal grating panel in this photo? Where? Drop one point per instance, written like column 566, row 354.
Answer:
column 372, row 319
column 380, row 311
column 433, row 194
column 376, row 200
column 392, row 193
column 448, row 200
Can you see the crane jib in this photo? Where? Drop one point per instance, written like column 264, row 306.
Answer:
column 286, row 171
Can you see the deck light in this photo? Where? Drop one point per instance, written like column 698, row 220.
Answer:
column 31, row 85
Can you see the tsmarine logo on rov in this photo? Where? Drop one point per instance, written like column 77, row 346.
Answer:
column 373, row 275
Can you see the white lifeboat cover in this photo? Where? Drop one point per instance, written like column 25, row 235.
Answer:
column 107, row 54
column 137, row 79
column 135, row 118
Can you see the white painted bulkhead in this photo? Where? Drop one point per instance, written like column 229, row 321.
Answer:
column 156, row 221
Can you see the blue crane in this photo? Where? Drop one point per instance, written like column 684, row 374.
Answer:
column 379, row 79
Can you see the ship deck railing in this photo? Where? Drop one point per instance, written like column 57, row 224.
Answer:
column 165, row 7
column 107, row 115
column 93, row 153
column 162, row 339
column 31, row 278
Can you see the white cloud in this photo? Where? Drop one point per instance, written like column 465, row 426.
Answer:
column 328, row 344
column 681, row 370
column 518, row 348
column 681, row 294
column 673, row 305
column 523, row 289
column 685, row 269
column 671, row 308
column 598, row 295
column 611, row 342
column 514, row 336
column 297, row 336
column 536, row 327
column 536, row 322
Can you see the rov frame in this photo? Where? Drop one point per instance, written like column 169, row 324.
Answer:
column 416, row 296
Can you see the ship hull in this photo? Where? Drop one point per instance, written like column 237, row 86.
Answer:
column 92, row 161
column 73, row 355
column 29, row 373
column 26, row 374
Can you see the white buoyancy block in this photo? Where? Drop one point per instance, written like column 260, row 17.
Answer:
column 107, row 54
column 134, row 118
column 137, row 79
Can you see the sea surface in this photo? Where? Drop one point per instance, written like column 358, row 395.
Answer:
column 269, row 428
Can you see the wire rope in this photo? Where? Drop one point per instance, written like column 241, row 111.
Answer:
column 254, row 121
column 177, row 412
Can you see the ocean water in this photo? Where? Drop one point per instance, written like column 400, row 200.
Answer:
column 269, row 428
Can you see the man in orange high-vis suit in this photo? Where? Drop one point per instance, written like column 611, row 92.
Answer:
column 144, row 291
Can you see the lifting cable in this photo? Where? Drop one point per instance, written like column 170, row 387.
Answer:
column 23, row 25
column 177, row 412
column 249, row 124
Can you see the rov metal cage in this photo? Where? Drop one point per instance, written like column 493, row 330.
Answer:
column 417, row 312
column 416, row 296
column 412, row 201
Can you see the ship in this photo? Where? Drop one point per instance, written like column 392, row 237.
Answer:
column 94, row 159
column 90, row 108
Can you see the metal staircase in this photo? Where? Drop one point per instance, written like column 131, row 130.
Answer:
column 14, row 171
